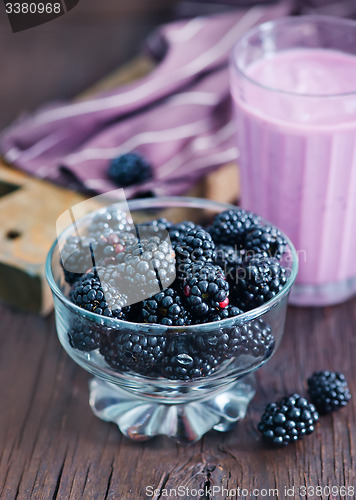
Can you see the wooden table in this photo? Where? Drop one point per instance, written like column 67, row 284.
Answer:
column 52, row 446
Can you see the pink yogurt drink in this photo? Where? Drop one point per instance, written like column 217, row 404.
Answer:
column 293, row 84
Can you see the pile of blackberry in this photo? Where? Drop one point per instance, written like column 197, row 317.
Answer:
column 173, row 275
column 293, row 417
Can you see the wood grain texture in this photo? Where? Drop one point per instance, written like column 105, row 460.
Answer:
column 52, row 446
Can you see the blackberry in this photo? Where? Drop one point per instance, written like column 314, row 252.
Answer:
column 158, row 227
column 98, row 297
column 146, row 268
column 328, row 391
column 266, row 241
column 220, row 314
column 110, row 244
column 256, row 281
column 194, row 246
column 85, row 337
column 205, row 288
column 227, row 255
column 79, row 253
column 230, row 227
column 165, row 308
column 254, row 338
column 129, row 169
column 178, row 230
column 125, row 351
column 183, row 361
column 288, row 420
column 112, row 219
column 76, row 257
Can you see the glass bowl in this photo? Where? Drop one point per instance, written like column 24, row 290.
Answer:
column 148, row 402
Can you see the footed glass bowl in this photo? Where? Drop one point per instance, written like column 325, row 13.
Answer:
column 219, row 357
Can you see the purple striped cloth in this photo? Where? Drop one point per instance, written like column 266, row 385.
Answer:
column 178, row 117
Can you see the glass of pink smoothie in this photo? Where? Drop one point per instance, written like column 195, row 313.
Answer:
column 293, row 83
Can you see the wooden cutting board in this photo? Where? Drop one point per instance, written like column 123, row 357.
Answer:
column 29, row 208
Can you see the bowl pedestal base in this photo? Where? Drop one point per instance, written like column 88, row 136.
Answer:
column 141, row 418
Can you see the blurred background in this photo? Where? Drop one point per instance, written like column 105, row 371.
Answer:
column 59, row 59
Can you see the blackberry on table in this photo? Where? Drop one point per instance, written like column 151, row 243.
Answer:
column 328, row 391
column 165, row 308
column 140, row 353
column 256, row 281
column 129, row 169
column 230, row 227
column 194, row 246
column 111, row 220
column 98, row 297
column 288, row 420
column 183, row 361
column 176, row 231
column 265, row 240
column 205, row 288
column 84, row 336
column 146, row 268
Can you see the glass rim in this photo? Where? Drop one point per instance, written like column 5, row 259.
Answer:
column 170, row 201
column 268, row 27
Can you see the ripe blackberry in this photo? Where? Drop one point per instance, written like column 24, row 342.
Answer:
column 85, row 337
column 227, row 255
column 266, row 241
column 129, row 169
column 205, row 288
column 76, row 257
column 194, row 246
column 112, row 219
column 125, row 351
column 165, row 308
column 328, row 391
column 110, row 244
column 146, row 268
column 254, row 339
column 79, row 253
column 256, row 281
column 178, row 230
column 288, row 420
column 220, row 314
column 183, row 361
column 230, row 227
column 158, row 227
column 102, row 298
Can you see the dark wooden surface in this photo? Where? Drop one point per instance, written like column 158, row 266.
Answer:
column 52, row 446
